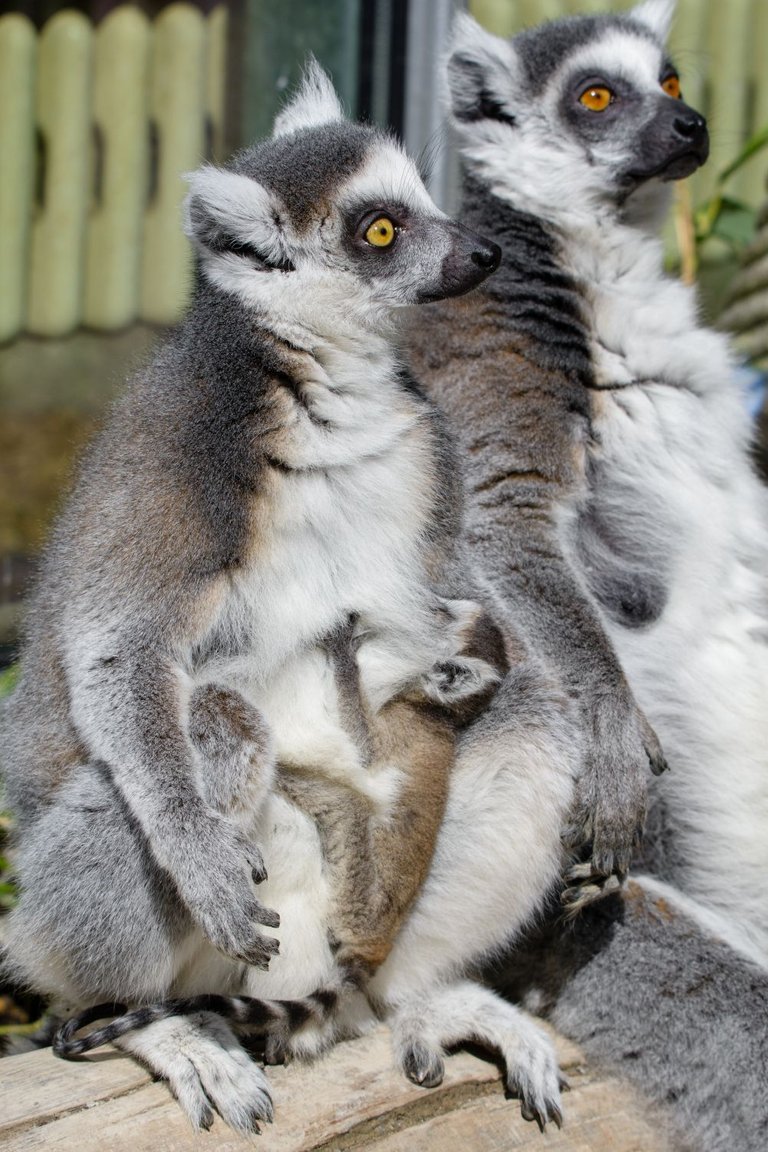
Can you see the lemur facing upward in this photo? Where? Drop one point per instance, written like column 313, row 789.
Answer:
column 255, row 596
column 612, row 500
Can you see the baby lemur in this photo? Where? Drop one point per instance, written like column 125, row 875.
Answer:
column 271, row 474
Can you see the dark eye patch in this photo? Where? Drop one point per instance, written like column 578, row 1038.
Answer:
column 222, row 242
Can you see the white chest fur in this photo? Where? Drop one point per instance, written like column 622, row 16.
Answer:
column 672, row 462
column 343, row 533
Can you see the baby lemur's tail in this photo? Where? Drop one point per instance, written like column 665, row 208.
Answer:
column 277, row 1021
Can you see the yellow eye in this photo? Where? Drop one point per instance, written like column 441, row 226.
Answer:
column 381, row 233
column 596, row 98
column 672, row 87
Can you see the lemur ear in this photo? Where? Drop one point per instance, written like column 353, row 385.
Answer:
column 656, row 15
column 227, row 212
column 315, row 102
column 482, row 71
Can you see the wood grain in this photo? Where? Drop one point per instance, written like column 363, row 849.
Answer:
column 354, row 1098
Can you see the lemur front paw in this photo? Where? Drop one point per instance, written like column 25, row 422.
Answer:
column 612, row 793
column 216, row 883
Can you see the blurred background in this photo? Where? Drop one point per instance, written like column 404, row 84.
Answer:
column 103, row 105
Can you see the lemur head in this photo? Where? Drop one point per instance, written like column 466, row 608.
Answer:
column 576, row 114
column 328, row 222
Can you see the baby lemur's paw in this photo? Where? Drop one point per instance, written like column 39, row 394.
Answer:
column 459, row 679
column 216, row 883
column 609, row 813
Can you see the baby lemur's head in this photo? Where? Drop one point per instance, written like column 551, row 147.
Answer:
column 577, row 113
column 328, row 221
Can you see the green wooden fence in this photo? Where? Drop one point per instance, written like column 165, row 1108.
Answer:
column 96, row 126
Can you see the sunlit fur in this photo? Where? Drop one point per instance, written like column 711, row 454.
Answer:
column 669, row 468
column 271, row 473
column 613, row 505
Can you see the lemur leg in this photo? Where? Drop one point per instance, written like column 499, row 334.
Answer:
column 206, row 1069
column 98, row 919
column 498, row 853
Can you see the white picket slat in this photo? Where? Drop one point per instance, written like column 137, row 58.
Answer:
column 729, row 38
column 18, row 49
column 217, row 30
column 119, row 112
column 58, row 229
column 754, row 174
column 177, row 110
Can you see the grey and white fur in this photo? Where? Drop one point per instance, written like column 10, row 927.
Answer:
column 270, row 476
column 613, row 506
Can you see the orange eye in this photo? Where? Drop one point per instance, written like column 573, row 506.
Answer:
column 596, row 98
column 381, row 233
column 672, row 87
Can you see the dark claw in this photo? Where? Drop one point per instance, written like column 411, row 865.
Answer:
column 268, row 917
column 563, row 1083
column 659, row 765
column 526, row 1111
column 556, row 1115
column 254, row 1117
column 259, row 874
column 423, row 1066
column 206, row 1120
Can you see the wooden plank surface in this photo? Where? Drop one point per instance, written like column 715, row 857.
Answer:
column 354, row 1098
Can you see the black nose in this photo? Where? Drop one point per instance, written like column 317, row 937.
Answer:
column 488, row 257
column 692, row 128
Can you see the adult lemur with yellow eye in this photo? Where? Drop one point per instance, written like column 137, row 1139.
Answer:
column 613, row 505
column 250, row 601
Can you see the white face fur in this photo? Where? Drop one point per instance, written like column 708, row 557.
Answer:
column 575, row 116
column 327, row 226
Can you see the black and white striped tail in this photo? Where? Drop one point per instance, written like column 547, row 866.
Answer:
column 278, row 1020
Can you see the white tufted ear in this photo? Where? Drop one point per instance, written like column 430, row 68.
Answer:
column 315, row 102
column 227, row 212
column 482, row 72
column 656, row 15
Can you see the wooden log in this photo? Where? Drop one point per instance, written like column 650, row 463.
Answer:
column 353, row 1098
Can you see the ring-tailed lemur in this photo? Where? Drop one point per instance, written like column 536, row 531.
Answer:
column 271, row 473
column 611, row 495
column 613, row 505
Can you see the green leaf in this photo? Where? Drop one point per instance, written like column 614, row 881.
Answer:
column 754, row 145
column 8, row 678
column 735, row 223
